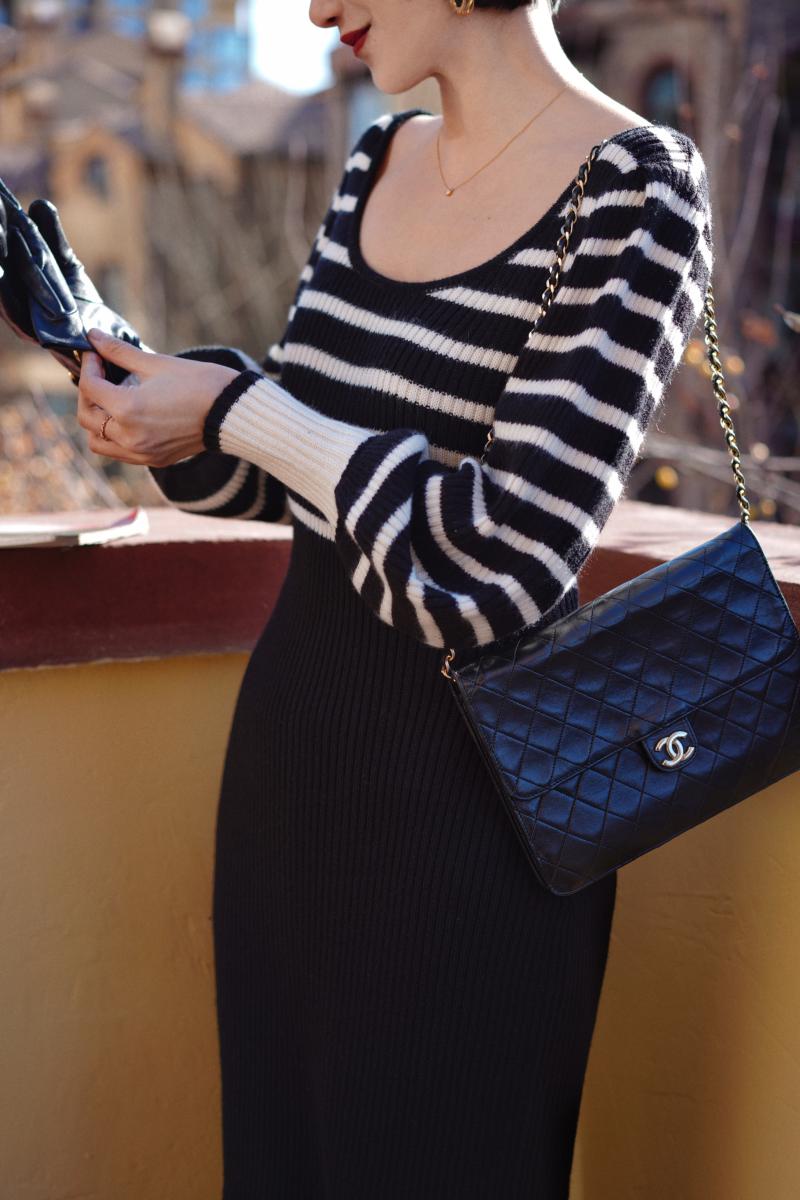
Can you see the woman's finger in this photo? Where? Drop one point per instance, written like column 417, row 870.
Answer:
column 112, row 449
column 131, row 358
column 92, row 382
column 91, row 365
column 103, row 430
column 97, row 399
column 102, row 404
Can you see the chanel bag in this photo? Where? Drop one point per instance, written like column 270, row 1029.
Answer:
column 674, row 696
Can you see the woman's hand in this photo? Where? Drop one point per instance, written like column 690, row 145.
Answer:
column 156, row 417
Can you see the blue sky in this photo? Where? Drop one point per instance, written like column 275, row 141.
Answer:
column 287, row 48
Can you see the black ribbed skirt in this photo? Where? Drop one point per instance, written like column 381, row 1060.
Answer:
column 404, row 1012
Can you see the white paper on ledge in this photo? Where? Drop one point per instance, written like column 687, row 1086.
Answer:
column 51, row 530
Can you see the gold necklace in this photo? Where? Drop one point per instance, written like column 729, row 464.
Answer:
column 449, row 190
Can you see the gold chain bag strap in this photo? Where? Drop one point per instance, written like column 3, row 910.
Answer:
column 668, row 699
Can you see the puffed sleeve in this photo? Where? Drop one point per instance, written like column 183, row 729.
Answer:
column 464, row 555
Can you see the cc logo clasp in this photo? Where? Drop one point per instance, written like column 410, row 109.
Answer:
column 675, row 749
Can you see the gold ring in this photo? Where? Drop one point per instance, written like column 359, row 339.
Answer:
column 103, row 433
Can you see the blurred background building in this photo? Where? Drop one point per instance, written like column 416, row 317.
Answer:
column 192, row 190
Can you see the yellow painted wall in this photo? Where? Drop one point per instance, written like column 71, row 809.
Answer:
column 109, row 775
column 693, row 1085
column 109, row 1085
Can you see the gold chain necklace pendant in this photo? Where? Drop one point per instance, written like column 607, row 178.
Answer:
column 448, row 191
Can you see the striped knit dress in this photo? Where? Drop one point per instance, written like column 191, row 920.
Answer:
column 404, row 1012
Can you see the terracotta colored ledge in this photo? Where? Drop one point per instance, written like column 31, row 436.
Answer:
column 638, row 536
column 192, row 585
column 205, row 585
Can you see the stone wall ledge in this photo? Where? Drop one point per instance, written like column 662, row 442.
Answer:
column 205, row 585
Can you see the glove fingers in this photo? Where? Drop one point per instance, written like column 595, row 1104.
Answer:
column 35, row 249
column 10, row 201
column 35, row 296
column 13, row 295
column 45, row 215
column 53, row 312
column 14, row 215
column 44, row 281
column 63, row 300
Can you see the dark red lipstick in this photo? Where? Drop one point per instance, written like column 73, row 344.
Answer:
column 355, row 38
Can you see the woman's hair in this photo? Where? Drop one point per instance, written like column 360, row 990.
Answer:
column 508, row 5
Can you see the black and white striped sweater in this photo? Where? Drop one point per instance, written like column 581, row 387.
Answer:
column 366, row 421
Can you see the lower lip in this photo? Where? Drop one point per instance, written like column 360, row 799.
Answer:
column 357, row 45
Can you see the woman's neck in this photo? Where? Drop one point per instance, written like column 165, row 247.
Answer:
column 490, row 86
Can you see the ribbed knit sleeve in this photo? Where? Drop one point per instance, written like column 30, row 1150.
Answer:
column 464, row 555
column 222, row 485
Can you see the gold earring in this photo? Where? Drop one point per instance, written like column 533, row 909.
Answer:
column 465, row 7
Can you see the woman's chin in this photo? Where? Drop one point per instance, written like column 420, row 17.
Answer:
column 393, row 82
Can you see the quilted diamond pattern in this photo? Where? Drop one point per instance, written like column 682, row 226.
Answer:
column 567, row 716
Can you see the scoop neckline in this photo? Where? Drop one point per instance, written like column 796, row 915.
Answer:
column 360, row 264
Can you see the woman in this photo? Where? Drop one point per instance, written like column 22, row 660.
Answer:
column 404, row 1011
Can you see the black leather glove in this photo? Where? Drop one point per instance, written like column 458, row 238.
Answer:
column 36, row 300
column 92, row 310
column 13, row 296
column 40, row 270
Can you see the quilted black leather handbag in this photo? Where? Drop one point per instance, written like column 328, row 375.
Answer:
column 666, row 700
